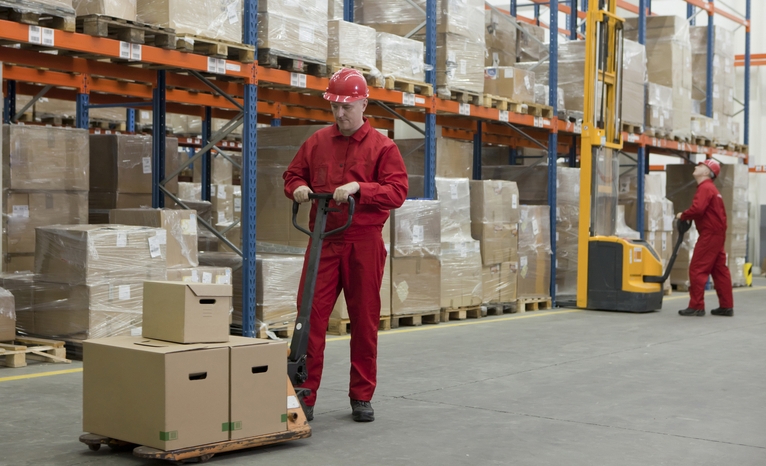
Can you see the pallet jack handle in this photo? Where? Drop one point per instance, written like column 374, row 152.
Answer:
column 682, row 226
column 296, row 361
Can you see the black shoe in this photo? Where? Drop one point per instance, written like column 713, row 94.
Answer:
column 723, row 311
column 309, row 411
column 691, row 312
column 362, row 411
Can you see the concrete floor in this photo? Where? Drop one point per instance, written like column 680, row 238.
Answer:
column 565, row 387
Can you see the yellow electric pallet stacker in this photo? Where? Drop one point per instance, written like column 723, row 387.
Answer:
column 613, row 273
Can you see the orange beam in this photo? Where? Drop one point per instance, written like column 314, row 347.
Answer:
column 756, row 59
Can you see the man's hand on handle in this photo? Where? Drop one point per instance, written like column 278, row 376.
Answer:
column 301, row 194
column 678, row 216
column 343, row 192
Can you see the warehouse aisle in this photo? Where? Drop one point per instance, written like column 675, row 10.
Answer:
column 543, row 388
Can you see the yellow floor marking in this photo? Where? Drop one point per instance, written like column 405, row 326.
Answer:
column 39, row 374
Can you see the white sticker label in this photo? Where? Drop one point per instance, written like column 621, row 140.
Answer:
column 221, row 191
column 146, row 165
column 48, row 37
column 523, row 261
column 20, row 211
column 212, row 65
column 188, row 227
column 298, row 80
column 402, row 291
column 207, row 277
column 418, row 234
column 162, row 236
column 237, row 204
column 408, row 99
column 231, row 13
column 453, row 190
column 233, row 67
column 221, row 217
column 538, row 122
column 136, row 52
column 526, row 82
column 195, row 276
column 122, row 239
column 136, row 331
column 463, row 66
column 222, row 280
column 292, row 402
column 514, row 201
column 145, row 115
column 125, row 50
column 306, row 33
column 124, row 292
column 464, row 109
column 535, row 227
column 35, row 35
column 220, row 66
column 503, row 116
column 508, row 73
column 154, row 247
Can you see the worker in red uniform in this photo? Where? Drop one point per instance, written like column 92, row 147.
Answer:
column 349, row 158
column 709, row 257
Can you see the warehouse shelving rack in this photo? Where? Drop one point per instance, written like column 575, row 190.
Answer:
column 97, row 72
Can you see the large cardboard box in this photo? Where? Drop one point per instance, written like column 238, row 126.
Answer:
column 500, row 36
column 186, row 312
column 499, row 241
column 351, row 44
column 154, row 393
column 527, row 48
column 454, row 195
column 461, row 275
column 400, row 57
column 509, row 82
column 459, row 64
column 214, row 19
column 222, row 198
column 416, row 228
column 25, row 211
column 125, row 9
column 7, row 315
column 454, row 158
column 415, row 285
column 534, row 252
column 494, row 201
column 303, row 35
column 180, row 231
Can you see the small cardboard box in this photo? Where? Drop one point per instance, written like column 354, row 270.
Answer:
column 509, row 82
column 186, row 312
column 154, row 393
column 494, row 201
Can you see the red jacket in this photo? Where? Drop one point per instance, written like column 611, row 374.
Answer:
column 328, row 160
column 707, row 210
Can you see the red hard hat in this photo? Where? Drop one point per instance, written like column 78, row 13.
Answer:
column 347, row 85
column 714, row 166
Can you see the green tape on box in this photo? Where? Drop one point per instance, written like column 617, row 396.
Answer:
column 225, row 427
column 235, row 425
column 167, row 436
column 284, row 417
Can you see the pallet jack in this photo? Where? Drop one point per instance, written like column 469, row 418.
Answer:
column 613, row 273
column 297, row 425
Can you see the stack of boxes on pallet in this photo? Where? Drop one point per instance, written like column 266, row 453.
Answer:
column 501, row 78
column 633, row 81
column 183, row 355
column 733, row 185
column 211, row 19
column 292, row 29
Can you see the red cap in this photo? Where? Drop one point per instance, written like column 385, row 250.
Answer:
column 347, row 85
column 714, row 166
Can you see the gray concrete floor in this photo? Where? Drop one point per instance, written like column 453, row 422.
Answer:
column 565, row 387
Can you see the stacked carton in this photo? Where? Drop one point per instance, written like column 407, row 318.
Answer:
column 454, row 159
column 212, row 19
column 415, row 251
column 633, row 81
column 7, row 315
column 512, row 83
column 399, row 57
column 567, row 229
column 351, row 44
column 530, row 43
column 724, row 77
column 45, row 182
column 534, row 277
column 293, row 29
column 669, row 63
column 659, row 111
column 494, row 223
column 21, row 286
column 124, row 9
column 500, row 36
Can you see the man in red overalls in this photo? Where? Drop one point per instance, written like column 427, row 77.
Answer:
column 349, row 158
column 709, row 257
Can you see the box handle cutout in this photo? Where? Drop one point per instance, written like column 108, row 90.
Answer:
column 198, row 376
column 207, row 301
column 260, row 369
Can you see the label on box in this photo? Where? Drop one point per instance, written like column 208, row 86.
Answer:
column 306, row 33
column 136, row 331
column 146, row 165
column 463, row 67
column 187, row 227
column 508, row 72
column 154, row 247
column 195, row 276
column 523, row 261
column 123, row 292
column 495, row 59
column 162, row 236
column 535, row 227
column 124, row 50
column 453, row 190
column 418, row 234
column 402, row 291
column 664, row 241
column 514, row 201
column 298, row 80
column 221, row 191
column 222, row 280
column 237, row 204
column 122, row 239
column 221, row 217
column 20, row 211
column 231, row 13
column 503, row 116
column 526, row 82
column 207, row 277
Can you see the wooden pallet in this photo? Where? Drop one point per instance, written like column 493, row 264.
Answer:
column 741, row 148
column 539, row 110
column 273, row 59
column 215, row 48
column 502, row 103
column 284, row 332
column 408, row 85
column 703, row 142
column 632, row 128
column 37, row 14
column 680, row 287
column 667, row 291
column 108, row 125
column 461, row 313
column 678, row 138
column 343, row 326
column 498, row 309
column 533, row 304
column 127, row 31
column 57, row 120
column 463, row 97
column 17, row 352
column 657, row 133
column 415, row 320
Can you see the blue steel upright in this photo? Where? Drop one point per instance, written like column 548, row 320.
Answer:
column 130, row 120
column 477, row 145
column 553, row 83
column 642, row 157
column 709, row 67
column 249, row 171
column 573, row 19
column 747, row 77
column 429, row 181
column 513, row 153
column 205, row 162
column 158, row 140
column 82, row 116
column 690, row 11
column 9, row 109
column 348, row 10
column 512, row 8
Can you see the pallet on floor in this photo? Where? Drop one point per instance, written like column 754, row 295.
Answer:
column 502, row 103
column 682, row 287
column 538, row 110
column 16, row 353
column 343, row 326
column 275, row 59
column 37, row 14
column 533, row 304
column 393, row 83
column 280, row 331
column 460, row 313
column 498, row 309
column 461, row 96
column 125, row 30
column 215, row 48
column 415, row 320
column 632, row 128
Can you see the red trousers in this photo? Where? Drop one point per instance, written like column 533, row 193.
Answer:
column 710, row 259
column 357, row 269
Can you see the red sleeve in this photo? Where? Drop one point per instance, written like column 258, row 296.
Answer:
column 298, row 172
column 699, row 204
column 390, row 189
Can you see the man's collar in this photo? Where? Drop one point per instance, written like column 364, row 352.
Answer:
column 358, row 135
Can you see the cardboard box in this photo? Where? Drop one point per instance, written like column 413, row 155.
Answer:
column 202, row 274
column 454, row 158
column 509, row 82
column 459, row 63
column 303, row 35
column 340, row 311
column 534, row 276
column 534, row 252
column 500, row 36
column 415, row 285
column 25, row 211
column 509, row 272
column 416, row 228
column 125, row 9
column 180, row 231
column 454, row 195
column 276, row 290
column 461, row 275
column 400, row 57
column 45, row 158
column 633, row 102
column 186, row 312
column 18, row 262
column 494, row 201
column 222, row 198
column 214, row 19
column 351, row 44
column 527, row 48
column 221, row 170
column 499, row 241
column 159, row 386
column 7, row 315
column 21, row 285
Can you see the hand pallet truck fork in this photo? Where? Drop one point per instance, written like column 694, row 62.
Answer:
column 297, row 425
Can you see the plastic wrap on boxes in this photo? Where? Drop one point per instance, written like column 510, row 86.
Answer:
column 416, row 229
column 125, row 9
column 499, row 282
column 45, row 158
column 542, row 96
column 415, row 285
column 703, row 127
column 25, row 211
column 534, row 252
column 633, row 62
column 7, row 315
column 94, row 254
column 454, row 195
column 459, row 65
column 335, row 9
column 213, row 19
column 571, row 81
column 351, row 44
column 723, row 40
column 659, row 29
column 400, row 57
column 633, row 107
column 222, row 197
column 189, row 191
column 221, row 172
column 530, row 43
column 622, row 229
column 454, row 158
column 500, row 37
column 567, row 229
column 654, row 186
column 43, row 6
column 202, row 274
column 21, row 285
column 180, row 231
column 494, row 201
column 461, row 274
column 512, row 83
column 299, row 36
column 737, row 270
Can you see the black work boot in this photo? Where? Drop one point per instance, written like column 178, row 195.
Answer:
column 362, row 411
column 691, row 312
column 723, row 311
column 309, row 411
